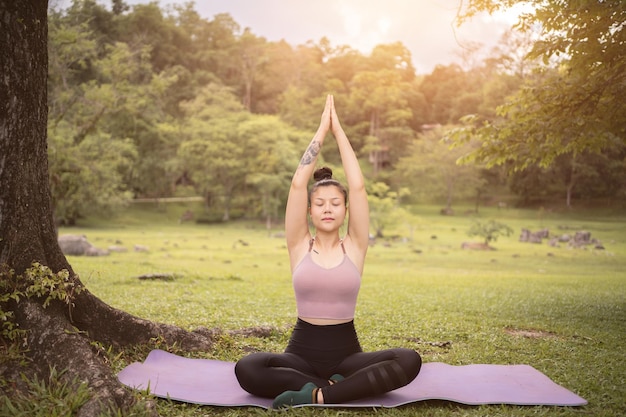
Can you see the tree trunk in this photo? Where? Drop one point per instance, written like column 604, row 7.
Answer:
column 374, row 131
column 449, row 193
column 56, row 338
column 571, row 183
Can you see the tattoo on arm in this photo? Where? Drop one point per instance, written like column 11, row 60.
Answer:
column 311, row 153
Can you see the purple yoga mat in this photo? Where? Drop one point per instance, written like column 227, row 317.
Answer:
column 213, row 382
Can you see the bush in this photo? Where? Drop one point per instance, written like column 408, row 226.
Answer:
column 489, row 230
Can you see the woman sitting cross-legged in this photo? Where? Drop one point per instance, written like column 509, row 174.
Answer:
column 323, row 362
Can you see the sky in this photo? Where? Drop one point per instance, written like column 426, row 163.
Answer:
column 425, row 27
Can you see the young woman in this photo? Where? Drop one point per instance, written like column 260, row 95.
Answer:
column 324, row 362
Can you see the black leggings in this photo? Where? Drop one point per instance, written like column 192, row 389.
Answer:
column 315, row 353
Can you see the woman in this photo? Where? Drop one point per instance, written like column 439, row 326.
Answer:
column 324, row 362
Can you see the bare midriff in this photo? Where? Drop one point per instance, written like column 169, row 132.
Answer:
column 324, row 322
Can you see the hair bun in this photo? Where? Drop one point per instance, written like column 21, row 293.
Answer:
column 323, row 173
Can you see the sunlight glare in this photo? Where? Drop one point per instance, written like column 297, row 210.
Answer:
column 352, row 25
column 364, row 24
column 384, row 23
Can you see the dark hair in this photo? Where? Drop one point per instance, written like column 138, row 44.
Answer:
column 323, row 177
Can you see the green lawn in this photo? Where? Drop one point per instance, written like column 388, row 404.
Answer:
column 560, row 310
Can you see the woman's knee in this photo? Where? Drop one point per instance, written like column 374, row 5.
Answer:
column 248, row 369
column 411, row 362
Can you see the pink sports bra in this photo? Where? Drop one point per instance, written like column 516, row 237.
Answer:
column 326, row 293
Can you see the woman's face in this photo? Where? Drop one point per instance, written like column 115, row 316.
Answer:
column 328, row 208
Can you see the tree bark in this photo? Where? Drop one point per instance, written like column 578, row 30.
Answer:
column 56, row 337
column 25, row 212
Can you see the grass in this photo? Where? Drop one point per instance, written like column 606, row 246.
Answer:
column 560, row 310
column 54, row 398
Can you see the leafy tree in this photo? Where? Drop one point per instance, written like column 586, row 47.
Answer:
column 299, row 109
column 510, row 55
column 589, row 175
column 147, row 26
column 211, row 152
column 342, row 62
column 574, row 103
column 489, row 230
column 395, row 57
column 385, row 207
column 194, row 67
column 193, row 37
column 419, row 106
column 72, row 47
column 298, row 103
column 495, row 90
column 98, row 128
column 102, row 21
column 430, row 170
column 88, row 177
column 271, row 158
column 274, row 77
column 88, row 167
column 134, row 110
column 251, row 54
column 439, row 89
column 221, row 34
column 380, row 97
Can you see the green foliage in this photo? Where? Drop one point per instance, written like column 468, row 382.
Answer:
column 38, row 281
column 574, row 102
column 210, row 151
column 9, row 331
column 441, row 88
column 380, row 96
column 41, row 282
column 430, row 168
column 385, row 207
column 298, row 109
column 234, row 157
column 80, row 187
column 93, row 154
column 584, row 177
column 270, row 149
column 489, row 230
column 145, row 100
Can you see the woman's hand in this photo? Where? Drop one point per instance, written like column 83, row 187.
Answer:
column 325, row 122
column 335, row 126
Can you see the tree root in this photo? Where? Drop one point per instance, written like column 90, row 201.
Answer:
column 54, row 342
column 117, row 328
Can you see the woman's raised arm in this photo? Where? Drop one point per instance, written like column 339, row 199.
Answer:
column 358, row 208
column 296, row 224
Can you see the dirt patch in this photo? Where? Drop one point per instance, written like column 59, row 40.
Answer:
column 476, row 246
column 530, row 333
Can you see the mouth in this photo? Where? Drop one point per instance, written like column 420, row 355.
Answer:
column 327, row 219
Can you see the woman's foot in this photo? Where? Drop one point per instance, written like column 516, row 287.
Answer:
column 306, row 395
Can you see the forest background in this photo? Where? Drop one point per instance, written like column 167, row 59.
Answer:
column 152, row 102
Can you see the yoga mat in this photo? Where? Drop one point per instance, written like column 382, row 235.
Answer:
column 213, row 382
